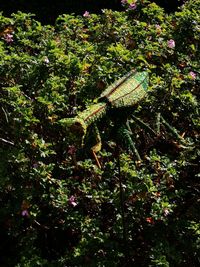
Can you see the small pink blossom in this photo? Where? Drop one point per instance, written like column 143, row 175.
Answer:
column 71, row 150
column 72, row 201
column 86, row 14
column 192, row 75
column 171, row 43
column 123, row 2
column 132, row 6
column 35, row 165
column 8, row 38
column 166, row 212
column 25, row 213
column 150, row 220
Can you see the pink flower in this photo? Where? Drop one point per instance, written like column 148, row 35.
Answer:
column 72, row 201
column 123, row 2
column 25, row 213
column 171, row 43
column 132, row 6
column 166, row 212
column 86, row 14
column 72, row 150
column 150, row 220
column 192, row 75
column 8, row 38
column 35, row 165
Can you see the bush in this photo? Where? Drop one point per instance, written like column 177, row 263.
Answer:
column 56, row 213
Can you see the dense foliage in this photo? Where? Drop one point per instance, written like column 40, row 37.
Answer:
column 57, row 213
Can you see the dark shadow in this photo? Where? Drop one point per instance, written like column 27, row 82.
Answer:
column 48, row 10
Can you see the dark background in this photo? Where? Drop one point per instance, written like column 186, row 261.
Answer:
column 48, row 10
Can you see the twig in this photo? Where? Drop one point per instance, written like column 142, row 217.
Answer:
column 7, row 141
column 158, row 123
column 5, row 114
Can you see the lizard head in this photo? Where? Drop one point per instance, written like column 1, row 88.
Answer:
column 75, row 130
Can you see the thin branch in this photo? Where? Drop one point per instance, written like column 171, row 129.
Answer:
column 7, row 141
column 158, row 123
column 5, row 114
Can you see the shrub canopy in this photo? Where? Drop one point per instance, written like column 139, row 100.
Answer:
column 56, row 213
